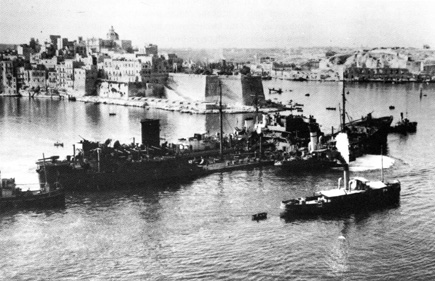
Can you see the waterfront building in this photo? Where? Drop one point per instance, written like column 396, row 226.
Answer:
column 65, row 73
column 34, row 78
column 123, row 70
column 9, row 85
column 377, row 74
column 85, row 79
column 429, row 67
column 51, row 78
column 414, row 67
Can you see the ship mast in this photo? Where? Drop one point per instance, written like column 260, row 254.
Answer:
column 343, row 115
column 221, row 152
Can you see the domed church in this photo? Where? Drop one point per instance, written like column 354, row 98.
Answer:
column 112, row 35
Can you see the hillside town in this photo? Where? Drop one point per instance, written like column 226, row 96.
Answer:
column 113, row 68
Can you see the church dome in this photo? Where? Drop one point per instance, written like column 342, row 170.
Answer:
column 112, row 35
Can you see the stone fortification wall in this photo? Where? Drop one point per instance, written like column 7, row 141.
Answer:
column 125, row 90
column 186, row 86
column 114, row 90
column 236, row 90
column 252, row 89
column 141, row 89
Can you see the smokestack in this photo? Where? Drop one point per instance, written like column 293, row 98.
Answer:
column 313, row 141
column 150, row 132
column 249, row 124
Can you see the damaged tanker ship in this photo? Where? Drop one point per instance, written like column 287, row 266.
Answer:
column 99, row 166
column 105, row 166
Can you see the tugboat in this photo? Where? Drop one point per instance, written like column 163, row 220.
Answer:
column 404, row 126
column 355, row 194
column 14, row 197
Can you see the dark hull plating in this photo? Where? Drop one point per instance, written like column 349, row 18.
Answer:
column 371, row 199
column 44, row 200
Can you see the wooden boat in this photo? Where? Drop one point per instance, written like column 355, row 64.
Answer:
column 14, row 197
column 356, row 194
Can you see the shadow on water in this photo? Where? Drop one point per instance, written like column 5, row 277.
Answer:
column 109, row 197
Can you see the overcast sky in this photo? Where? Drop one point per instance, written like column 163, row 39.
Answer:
column 225, row 23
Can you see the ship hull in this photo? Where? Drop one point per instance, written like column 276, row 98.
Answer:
column 43, row 200
column 351, row 202
column 79, row 178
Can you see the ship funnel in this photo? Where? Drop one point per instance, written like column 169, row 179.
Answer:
column 150, row 132
column 249, row 124
column 313, row 141
column 342, row 143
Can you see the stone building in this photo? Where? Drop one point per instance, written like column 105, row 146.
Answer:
column 34, row 78
column 9, row 85
column 51, row 78
column 151, row 50
column 123, row 70
column 429, row 68
column 377, row 74
column 85, row 80
column 65, row 73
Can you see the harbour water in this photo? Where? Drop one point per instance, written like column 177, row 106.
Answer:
column 202, row 230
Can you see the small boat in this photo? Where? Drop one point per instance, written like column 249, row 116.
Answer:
column 392, row 107
column 259, row 216
column 356, row 194
column 47, row 196
column 301, row 79
column 58, row 144
column 404, row 126
column 112, row 114
column 273, row 90
column 331, row 108
column 307, row 94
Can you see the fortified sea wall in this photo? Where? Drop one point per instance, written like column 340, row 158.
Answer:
column 236, row 90
column 125, row 90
